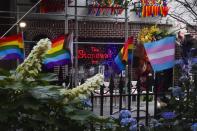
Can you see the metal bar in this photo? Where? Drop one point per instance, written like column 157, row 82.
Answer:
column 92, row 109
column 59, row 14
column 92, row 16
column 71, row 81
column 6, row 24
column 141, row 94
column 66, row 17
column 17, row 28
column 126, row 22
column 92, row 101
column 101, row 101
column 7, row 17
column 60, row 75
column 138, row 101
column 71, row 6
column 24, row 4
column 76, row 45
column 21, row 18
column 99, row 43
column 84, row 42
column 121, row 85
column 80, row 6
column 17, row 16
column 111, row 89
column 155, row 93
column 68, row 68
column 147, row 99
column 17, row 12
column 129, row 89
column 129, row 62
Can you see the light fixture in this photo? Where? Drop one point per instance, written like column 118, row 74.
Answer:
column 22, row 24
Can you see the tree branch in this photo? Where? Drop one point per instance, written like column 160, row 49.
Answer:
column 180, row 19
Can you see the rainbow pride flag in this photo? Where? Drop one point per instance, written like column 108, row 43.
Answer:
column 58, row 55
column 123, row 56
column 161, row 53
column 12, row 47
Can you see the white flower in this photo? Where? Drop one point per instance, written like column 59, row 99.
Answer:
column 85, row 89
column 32, row 64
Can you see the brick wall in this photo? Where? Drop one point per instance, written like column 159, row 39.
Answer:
column 87, row 29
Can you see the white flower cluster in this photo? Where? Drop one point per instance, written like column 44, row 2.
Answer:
column 83, row 90
column 31, row 66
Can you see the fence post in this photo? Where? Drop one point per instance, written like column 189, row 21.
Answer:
column 149, row 84
column 138, row 101
column 111, row 89
column 71, row 82
column 60, row 76
column 155, row 94
column 129, row 93
column 120, row 86
column 92, row 101
column 102, row 97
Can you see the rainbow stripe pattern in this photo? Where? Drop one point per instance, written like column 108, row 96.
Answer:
column 11, row 48
column 123, row 56
column 161, row 54
column 57, row 55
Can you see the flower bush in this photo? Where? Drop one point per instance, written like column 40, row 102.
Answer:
column 194, row 127
column 32, row 64
column 181, row 109
column 126, row 121
column 168, row 115
column 29, row 101
column 149, row 34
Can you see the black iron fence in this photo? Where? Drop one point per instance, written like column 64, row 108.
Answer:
column 110, row 100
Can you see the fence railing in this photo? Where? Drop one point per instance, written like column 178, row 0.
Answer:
column 110, row 100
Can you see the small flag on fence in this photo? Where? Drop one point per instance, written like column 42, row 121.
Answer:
column 123, row 56
column 161, row 53
column 12, row 47
column 58, row 55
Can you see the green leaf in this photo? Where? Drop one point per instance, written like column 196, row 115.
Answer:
column 4, row 72
column 45, row 92
column 48, row 77
column 81, row 115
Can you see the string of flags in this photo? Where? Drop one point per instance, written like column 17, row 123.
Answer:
column 105, row 11
column 106, row 8
column 147, row 8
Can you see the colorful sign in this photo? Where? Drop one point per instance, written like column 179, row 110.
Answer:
column 97, row 54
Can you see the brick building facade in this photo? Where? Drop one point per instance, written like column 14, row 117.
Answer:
column 87, row 31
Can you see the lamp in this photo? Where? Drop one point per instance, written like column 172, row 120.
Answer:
column 22, row 24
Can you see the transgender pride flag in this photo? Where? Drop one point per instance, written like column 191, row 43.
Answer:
column 161, row 53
